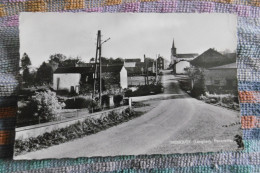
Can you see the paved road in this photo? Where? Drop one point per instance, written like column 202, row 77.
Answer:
column 177, row 125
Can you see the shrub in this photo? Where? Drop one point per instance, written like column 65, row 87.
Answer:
column 64, row 92
column 105, row 100
column 48, row 106
column 129, row 93
column 117, row 100
column 42, row 107
column 26, row 115
column 78, row 103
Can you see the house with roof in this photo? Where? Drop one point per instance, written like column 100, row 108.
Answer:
column 72, row 78
column 221, row 79
column 131, row 62
column 180, row 62
column 135, row 67
column 219, row 71
column 212, row 58
column 162, row 63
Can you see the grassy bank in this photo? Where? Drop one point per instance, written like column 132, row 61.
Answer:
column 77, row 130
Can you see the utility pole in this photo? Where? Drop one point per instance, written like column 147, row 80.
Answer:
column 145, row 69
column 95, row 74
column 98, row 57
column 156, row 68
column 100, row 68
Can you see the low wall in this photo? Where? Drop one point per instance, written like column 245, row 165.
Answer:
column 39, row 129
column 154, row 97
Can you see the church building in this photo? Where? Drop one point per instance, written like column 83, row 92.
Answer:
column 180, row 62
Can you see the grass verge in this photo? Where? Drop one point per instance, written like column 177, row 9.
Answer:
column 77, row 130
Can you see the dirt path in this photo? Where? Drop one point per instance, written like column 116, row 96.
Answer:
column 176, row 125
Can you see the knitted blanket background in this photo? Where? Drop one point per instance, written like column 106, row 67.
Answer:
column 248, row 61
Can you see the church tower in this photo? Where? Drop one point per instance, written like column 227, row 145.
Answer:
column 173, row 53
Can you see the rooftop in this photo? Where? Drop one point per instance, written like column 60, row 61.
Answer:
column 211, row 58
column 190, row 55
column 227, row 66
column 114, row 68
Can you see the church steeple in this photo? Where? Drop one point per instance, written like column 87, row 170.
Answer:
column 173, row 49
column 173, row 53
column 173, row 46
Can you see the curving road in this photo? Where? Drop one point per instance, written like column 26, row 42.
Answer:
column 177, row 125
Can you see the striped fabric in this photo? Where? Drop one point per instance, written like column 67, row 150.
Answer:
column 248, row 60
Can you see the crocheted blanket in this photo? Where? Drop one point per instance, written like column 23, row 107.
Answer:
column 248, row 31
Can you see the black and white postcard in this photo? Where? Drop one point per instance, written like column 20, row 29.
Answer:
column 126, row 84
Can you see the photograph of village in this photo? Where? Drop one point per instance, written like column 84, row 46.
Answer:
column 126, row 84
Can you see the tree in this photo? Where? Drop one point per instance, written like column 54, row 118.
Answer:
column 25, row 61
column 57, row 58
column 44, row 74
column 118, row 61
column 92, row 60
column 27, row 77
column 104, row 61
column 198, row 81
column 71, row 62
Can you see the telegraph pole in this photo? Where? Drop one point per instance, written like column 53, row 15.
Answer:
column 98, row 57
column 145, row 68
column 100, row 68
column 95, row 74
column 156, row 68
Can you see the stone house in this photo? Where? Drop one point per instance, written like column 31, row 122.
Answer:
column 162, row 63
column 72, row 78
column 221, row 79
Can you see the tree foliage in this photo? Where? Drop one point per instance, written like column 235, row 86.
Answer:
column 44, row 74
column 42, row 107
column 48, row 106
column 25, row 61
column 112, row 61
column 27, row 77
column 71, row 62
column 198, row 80
column 57, row 58
column 60, row 60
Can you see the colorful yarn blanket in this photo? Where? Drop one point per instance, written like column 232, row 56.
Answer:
column 248, row 48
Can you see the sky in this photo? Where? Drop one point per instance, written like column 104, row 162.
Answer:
column 131, row 34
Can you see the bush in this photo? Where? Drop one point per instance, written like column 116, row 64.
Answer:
column 78, row 103
column 48, row 106
column 117, row 100
column 26, row 115
column 185, row 85
column 94, row 106
column 105, row 100
column 64, row 92
column 42, row 107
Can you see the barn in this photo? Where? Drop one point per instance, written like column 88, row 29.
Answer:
column 221, row 79
column 71, row 78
